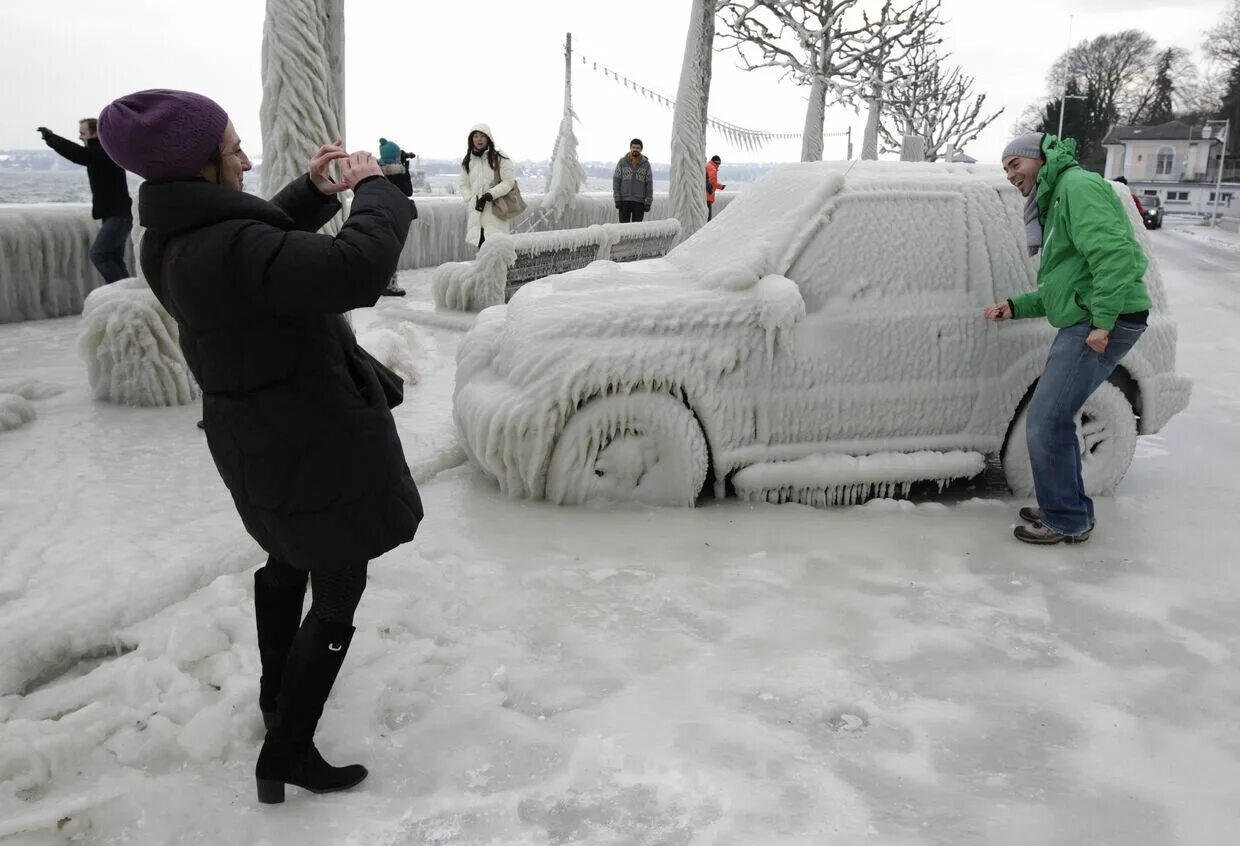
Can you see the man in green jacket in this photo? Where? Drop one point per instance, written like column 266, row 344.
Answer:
column 1090, row 288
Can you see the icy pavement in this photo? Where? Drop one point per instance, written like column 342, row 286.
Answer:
column 526, row 674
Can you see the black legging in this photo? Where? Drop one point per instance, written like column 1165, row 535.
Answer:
column 334, row 594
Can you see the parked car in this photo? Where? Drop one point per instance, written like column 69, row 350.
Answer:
column 821, row 341
column 1153, row 216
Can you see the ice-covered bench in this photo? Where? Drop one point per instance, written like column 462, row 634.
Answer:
column 505, row 263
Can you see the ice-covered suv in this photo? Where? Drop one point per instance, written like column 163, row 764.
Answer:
column 822, row 341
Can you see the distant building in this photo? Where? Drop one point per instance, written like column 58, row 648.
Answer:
column 1173, row 161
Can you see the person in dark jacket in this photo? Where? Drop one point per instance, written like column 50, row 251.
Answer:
column 632, row 184
column 297, row 416
column 109, row 196
column 394, row 162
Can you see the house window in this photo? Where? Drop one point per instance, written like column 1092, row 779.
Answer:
column 1166, row 160
column 1225, row 197
column 1177, row 196
column 1149, row 193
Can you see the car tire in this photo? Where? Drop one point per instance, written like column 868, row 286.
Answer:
column 1106, row 430
column 642, row 447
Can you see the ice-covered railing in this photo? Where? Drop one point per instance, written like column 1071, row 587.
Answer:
column 505, row 262
column 45, row 267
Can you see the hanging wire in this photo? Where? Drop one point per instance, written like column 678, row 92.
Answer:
column 740, row 136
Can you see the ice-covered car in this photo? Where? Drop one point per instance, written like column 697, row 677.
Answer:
column 822, row 341
column 1153, row 217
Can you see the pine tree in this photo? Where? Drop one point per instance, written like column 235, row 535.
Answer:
column 1161, row 108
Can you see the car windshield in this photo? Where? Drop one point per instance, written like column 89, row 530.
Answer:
column 1151, row 202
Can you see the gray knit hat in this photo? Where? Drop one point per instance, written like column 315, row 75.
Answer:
column 1028, row 146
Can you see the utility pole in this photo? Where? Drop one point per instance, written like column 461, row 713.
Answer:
column 1222, row 159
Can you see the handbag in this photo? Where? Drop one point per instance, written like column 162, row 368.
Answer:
column 511, row 204
column 393, row 386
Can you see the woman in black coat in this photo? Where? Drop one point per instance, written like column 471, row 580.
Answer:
column 296, row 414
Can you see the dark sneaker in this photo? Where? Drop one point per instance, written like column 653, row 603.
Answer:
column 1039, row 534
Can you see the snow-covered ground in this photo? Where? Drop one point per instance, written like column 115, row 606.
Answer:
column 526, row 674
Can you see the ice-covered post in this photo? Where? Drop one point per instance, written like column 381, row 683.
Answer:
column 303, row 85
column 913, row 149
column 688, row 191
column 566, row 177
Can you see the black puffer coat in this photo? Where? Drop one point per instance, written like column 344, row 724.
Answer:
column 295, row 416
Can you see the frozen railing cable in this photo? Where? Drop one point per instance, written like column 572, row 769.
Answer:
column 749, row 139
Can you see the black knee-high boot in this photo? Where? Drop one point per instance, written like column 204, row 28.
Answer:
column 277, row 612
column 288, row 755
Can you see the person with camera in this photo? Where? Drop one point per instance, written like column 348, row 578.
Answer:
column 486, row 175
column 109, row 196
column 297, row 414
column 394, row 162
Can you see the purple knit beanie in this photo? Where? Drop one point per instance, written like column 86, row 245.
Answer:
column 161, row 133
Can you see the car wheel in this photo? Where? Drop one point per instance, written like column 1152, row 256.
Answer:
column 1106, row 431
column 641, row 447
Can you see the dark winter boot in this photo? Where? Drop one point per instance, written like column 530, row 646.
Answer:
column 288, row 755
column 392, row 289
column 277, row 611
column 1031, row 515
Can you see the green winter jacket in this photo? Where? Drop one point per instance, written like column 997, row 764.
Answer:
column 1092, row 266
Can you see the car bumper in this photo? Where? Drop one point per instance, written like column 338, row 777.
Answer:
column 1163, row 396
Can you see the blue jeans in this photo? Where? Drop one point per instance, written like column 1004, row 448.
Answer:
column 1073, row 372
column 108, row 251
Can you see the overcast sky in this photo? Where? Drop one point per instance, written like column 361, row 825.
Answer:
column 422, row 71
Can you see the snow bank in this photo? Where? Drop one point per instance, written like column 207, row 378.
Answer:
column 45, row 267
column 16, row 408
column 130, row 345
column 15, row 411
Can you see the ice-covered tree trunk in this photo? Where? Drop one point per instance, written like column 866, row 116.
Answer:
column 303, row 85
column 815, row 117
column 869, row 140
column 688, row 189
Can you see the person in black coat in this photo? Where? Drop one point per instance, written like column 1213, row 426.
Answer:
column 296, row 414
column 109, row 196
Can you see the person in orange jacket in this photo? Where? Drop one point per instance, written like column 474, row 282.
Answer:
column 712, row 184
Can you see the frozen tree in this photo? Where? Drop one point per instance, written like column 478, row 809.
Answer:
column 895, row 33
column 303, row 85
column 823, row 44
column 934, row 102
column 688, row 192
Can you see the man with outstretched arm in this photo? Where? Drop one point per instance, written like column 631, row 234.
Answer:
column 109, row 195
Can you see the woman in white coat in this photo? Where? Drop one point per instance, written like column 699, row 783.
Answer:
column 486, row 175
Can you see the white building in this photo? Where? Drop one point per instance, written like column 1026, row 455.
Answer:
column 1173, row 161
